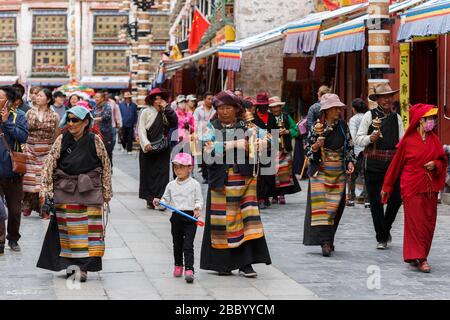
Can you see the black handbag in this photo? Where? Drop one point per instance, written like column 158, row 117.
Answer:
column 159, row 145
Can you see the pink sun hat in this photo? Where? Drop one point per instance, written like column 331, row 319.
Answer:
column 185, row 159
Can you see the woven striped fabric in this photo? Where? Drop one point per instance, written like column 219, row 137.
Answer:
column 36, row 154
column 235, row 214
column 327, row 190
column 284, row 176
column 80, row 231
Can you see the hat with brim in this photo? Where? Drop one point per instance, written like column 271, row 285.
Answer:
column 181, row 98
column 275, row 102
column 262, row 99
column 330, row 100
column 431, row 112
column 156, row 92
column 191, row 97
column 382, row 89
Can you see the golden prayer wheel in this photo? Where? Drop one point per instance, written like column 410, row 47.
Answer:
column 379, row 37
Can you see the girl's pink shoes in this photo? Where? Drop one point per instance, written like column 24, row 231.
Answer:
column 178, row 271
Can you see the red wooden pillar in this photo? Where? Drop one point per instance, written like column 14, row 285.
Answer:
column 231, row 83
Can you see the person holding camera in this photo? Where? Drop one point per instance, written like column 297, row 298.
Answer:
column 14, row 131
column 155, row 121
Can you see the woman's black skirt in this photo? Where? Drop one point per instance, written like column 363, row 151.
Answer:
column 318, row 235
column 154, row 172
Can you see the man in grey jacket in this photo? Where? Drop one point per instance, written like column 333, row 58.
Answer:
column 314, row 110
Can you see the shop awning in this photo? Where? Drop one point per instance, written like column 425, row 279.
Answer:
column 230, row 54
column 8, row 80
column 99, row 82
column 350, row 36
column 347, row 37
column 195, row 57
column 301, row 36
column 47, row 82
column 430, row 18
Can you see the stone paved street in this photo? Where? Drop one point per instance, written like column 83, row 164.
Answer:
column 138, row 260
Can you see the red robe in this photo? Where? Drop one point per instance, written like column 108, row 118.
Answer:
column 419, row 186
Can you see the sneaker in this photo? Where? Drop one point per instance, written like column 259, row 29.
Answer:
column 248, row 272
column 129, row 152
column 177, row 271
column 14, row 246
column 389, row 239
column 367, row 205
column 282, row 200
column 225, row 273
column 189, row 276
column 382, row 245
column 350, row 203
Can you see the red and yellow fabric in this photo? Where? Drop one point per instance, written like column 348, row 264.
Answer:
column 327, row 189
column 81, row 233
column 235, row 216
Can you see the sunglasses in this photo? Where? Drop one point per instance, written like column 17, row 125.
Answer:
column 73, row 120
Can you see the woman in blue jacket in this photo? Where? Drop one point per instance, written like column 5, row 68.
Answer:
column 14, row 129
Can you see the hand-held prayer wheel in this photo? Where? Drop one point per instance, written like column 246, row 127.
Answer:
column 319, row 130
column 376, row 123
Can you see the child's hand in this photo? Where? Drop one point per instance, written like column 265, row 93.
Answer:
column 197, row 213
column 156, row 202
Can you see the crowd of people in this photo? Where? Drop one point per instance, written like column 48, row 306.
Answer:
column 249, row 151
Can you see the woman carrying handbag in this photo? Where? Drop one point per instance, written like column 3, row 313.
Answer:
column 13, row 132
column 155, row 122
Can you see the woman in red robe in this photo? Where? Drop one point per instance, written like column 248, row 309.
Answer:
column 423, row 164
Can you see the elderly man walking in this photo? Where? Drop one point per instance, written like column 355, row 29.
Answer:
column 379, row 133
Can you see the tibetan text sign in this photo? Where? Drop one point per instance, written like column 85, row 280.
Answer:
column 404, row 83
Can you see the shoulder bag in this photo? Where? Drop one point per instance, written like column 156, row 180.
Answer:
column 18, row 159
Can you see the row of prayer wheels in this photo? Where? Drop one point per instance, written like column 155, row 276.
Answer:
column 379, row 40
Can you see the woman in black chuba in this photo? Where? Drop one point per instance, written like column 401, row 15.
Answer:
column 234, row 235
column 155, row 122
column 266, row 181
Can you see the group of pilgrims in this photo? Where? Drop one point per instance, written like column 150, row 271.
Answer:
column 251, row 154
column 398, row 166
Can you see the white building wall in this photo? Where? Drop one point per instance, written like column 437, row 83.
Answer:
column 255, row 16
column 262, row 68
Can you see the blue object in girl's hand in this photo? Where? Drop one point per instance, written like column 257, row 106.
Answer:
column 199, row 222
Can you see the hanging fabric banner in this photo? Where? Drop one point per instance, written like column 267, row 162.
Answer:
column 404, row 83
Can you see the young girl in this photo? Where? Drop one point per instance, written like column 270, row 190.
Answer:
column 185, row 194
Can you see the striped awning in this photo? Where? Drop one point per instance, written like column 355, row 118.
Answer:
column 301, row 36
column 230, row 58
column 431, row 18
column 107, row 82
column 173, row 66
column 230, row 54
column 346, row 37
column 47, row 82
column 350, row 36
column 8, row 80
